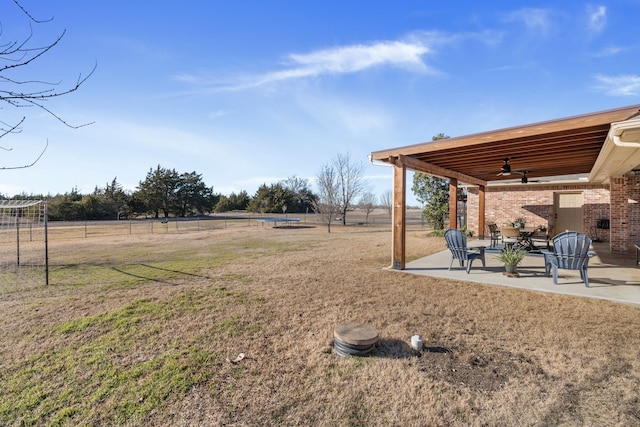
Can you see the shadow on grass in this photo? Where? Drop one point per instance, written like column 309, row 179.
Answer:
column 398, row 349
column 151, row 278
column 176, row 271
column 292, row 227
column 174, row 278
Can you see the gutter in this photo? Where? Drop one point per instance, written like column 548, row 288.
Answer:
column 620, row 152
column 626, row 134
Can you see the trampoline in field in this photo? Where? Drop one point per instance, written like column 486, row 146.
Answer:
column 278, row 222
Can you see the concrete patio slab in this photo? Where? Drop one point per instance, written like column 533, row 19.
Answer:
column 612, row 277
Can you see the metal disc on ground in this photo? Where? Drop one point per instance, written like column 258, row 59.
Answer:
column 354, row 339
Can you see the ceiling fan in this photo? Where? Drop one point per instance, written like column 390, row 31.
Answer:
column 506, row 168
column 525, row 179
column 506, row 171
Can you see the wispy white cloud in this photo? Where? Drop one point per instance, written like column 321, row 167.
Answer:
column 435, row 40
column 510, row 67
column 356, row 58
column 216, row 114
column 405, row 54
column 346, row 60
column 534, row 19
column 597, row 18
column 622, row 85
column 609, row 51
column 188, row 78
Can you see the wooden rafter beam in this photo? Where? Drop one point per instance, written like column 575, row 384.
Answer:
column 420, row 166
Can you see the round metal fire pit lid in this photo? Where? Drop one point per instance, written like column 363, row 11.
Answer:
column 357, row 334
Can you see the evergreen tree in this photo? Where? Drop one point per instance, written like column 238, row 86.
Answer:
column 271, row 199
column 302, row 197
column 158, row 191
column 433, row 193
column 193, row 197
column 116, row 200
column 66, row 207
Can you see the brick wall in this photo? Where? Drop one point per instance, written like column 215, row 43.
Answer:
column 633, row 188
column 619, row 202
column 619, row 214
column 625, row 213
column 534, row 203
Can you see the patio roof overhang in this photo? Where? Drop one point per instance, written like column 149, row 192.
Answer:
column 562, row 147
column 602, row 144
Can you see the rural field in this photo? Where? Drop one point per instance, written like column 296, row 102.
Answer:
column 145, row 329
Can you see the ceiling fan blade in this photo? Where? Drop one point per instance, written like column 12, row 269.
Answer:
column 506, row 168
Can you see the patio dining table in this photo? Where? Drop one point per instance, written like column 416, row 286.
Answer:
column 526, row 233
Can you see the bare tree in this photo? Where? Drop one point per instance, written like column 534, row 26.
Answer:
column 351, row 182
column 327, row 202
column 17, row 57
column 367, row 204
column 386, row 200
column 295, row 183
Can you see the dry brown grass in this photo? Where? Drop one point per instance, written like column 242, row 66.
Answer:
column 494, row 356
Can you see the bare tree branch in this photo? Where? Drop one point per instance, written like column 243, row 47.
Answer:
column 29, row 15
column 17, row 55
column 30, row 164
column 12, row 129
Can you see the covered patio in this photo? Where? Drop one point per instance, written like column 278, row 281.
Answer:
column 611, row 276
column 598, row 153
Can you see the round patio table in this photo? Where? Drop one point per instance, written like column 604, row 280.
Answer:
column 525, row 238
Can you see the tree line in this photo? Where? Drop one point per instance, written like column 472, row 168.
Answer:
column 168, row 193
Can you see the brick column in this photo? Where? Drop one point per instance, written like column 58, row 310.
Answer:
column 619, row 221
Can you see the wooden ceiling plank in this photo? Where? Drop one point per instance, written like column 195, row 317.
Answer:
column 523, row 155
column 508, row 149
column 529, row 162
column 597, row 138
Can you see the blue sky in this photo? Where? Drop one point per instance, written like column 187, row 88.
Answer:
column 252, row 92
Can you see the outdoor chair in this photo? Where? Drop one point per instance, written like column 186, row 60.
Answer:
column 510, row 235
column 542, row 237
column 570, row 251
column 494, row 231
column 457, row 244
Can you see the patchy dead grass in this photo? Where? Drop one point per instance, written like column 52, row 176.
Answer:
column 140, row 330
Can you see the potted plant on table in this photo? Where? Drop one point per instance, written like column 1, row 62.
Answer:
column 519, row 222
column 511, row 256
